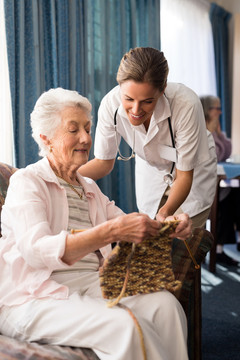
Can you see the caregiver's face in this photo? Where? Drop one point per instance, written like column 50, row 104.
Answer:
column 139, row 101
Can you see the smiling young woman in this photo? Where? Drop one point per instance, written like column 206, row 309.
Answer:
column 175, row 159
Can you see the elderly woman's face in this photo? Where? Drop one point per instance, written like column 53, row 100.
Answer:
column 72, row 140
column 215, row 110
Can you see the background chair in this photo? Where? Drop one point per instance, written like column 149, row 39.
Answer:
column 189, row 296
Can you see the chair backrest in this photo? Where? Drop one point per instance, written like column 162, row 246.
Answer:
column 5, row 173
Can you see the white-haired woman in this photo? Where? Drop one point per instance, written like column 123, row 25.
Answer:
column 49, row 277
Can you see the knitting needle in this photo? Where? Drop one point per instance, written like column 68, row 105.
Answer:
column 73, row 231
column 190, row 253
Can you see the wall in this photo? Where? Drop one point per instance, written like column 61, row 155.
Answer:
column 233, row 6
column 236, row 86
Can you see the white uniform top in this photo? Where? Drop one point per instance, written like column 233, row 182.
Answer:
column 194, row 147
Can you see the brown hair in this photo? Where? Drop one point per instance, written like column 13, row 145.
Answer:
column 144, row 64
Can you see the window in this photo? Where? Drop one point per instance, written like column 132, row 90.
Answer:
column 187, row 42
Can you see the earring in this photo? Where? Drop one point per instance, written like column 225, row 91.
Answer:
column 50, row 149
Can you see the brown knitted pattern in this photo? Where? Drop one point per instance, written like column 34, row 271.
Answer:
column 148, row 266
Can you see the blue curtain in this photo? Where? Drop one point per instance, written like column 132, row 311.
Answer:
column 219, row 19
column 75, row 44
column 113, row 28
column 45, row 46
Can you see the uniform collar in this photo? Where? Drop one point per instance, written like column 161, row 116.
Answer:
column 162, row 110
column 122, row 112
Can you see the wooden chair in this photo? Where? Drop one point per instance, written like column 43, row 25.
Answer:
column 189, row 296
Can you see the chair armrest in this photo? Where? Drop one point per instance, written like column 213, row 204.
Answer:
column 15, row 349
column 183, row 267
column 5, row 173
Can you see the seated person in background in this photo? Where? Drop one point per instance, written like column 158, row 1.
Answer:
column 50, row 289
column 229, row 197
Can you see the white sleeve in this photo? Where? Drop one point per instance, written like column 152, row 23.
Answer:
column 106, row 139
column 191, row 136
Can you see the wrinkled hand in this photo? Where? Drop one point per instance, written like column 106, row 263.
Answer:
column 135, row 227
column 184, row 228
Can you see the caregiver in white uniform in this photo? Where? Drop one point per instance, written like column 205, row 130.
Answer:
column 165, row 127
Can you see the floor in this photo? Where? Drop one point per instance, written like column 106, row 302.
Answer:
column 221, row 310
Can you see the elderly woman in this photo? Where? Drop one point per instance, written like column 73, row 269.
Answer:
column 229, row 196
column 49, row 277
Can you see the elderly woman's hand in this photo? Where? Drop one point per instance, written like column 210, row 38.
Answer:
column 184, row 228
column 134, row 227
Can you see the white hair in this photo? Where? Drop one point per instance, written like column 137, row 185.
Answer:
column 45, row 117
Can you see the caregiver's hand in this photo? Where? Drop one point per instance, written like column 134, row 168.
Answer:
column 184, row 228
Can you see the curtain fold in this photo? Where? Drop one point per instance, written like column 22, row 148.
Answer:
column 78, row 45
column 118, row 26
column 219, row 19
column 22, row 65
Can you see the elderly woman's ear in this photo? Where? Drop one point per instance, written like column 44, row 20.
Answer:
column 46, row 142
column 45, row 139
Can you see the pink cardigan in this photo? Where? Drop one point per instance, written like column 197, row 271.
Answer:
column 34, row 228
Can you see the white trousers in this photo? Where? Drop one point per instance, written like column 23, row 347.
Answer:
column 84, row 320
